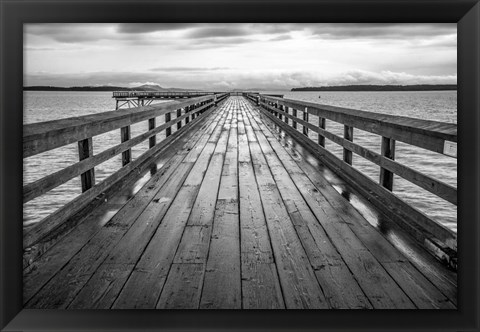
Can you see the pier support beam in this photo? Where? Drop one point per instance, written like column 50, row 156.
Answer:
column 125, row 136
column 151, row 140
column 321, row 124
column 187, row 118
column 348, row 135
column 305, row 118
column 85, row 150
column 294, row 123
column 388, row 151
column 179, row 114
column 168, row 118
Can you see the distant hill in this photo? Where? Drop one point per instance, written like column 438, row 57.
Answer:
column 150, row 87
column 145, row 87
column 418, row 87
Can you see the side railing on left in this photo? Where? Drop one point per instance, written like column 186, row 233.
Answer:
column 45, row 136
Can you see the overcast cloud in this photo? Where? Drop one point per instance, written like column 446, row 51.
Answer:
column 215, row 56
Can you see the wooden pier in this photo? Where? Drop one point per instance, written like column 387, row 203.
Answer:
column 239, row 212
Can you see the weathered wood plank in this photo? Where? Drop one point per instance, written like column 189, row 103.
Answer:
column 260, row 284
column 182, row 289
column 127, row 252
column 418, row 288
column 382, row 249
column 142, row 290
column 145, row 284
column 66, row 284
column 344, row 291
column 407, row 216
column 62, row 251
column 222, row 283
column 340, row 288
column 48, row 224
column 426, row 182
column 195, row 242
column 381, row 290
column 384, row 252
column 205, row 204
column 106, row 238
column 299, row 284
column 248, row 223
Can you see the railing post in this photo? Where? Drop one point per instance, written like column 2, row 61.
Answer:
column 258, row 100
column 151, row 140
column 305, row 118
column 168, row 130
column 280, row 116
column 348, row 135
column 187, row 118
column 215, row 100
column 388, row 151
column 294, row 113
column 179, row 114
column 321, row 124
column 125, row 136
column 85, row 150
column 285, row 109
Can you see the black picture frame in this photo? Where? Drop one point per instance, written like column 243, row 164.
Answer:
column 14, row 13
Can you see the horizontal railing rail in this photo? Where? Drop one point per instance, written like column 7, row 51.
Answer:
column 45, row 136
column 135, row 94
column 430, row 135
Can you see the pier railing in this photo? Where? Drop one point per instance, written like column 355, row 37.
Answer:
column 150, row 94
column 430, row 135
column 45, row 136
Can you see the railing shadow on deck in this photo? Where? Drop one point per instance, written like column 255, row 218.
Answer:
column 45, row 136
column 430, row 135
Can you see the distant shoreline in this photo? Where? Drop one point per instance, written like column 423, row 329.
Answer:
column 75, row 88
column 101, row 88
column 418, row 87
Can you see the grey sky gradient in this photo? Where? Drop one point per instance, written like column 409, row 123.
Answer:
column 236, row 56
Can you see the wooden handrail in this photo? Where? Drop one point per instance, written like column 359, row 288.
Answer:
column 44, row 136
column 431, row 135
column 135, row 94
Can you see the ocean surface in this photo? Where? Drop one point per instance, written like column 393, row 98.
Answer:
column 431, row 105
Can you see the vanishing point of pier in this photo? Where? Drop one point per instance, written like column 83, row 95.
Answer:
column 235, row 205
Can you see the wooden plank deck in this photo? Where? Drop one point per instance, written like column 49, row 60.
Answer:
column 234, row 219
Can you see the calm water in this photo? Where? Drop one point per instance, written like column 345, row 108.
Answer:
column 431, row 105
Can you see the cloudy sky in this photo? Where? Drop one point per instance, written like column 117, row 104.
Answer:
column 236, row 56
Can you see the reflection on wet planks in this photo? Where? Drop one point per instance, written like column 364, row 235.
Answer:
column 233, row 219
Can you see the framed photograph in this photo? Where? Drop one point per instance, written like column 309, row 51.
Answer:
column 248, row 158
